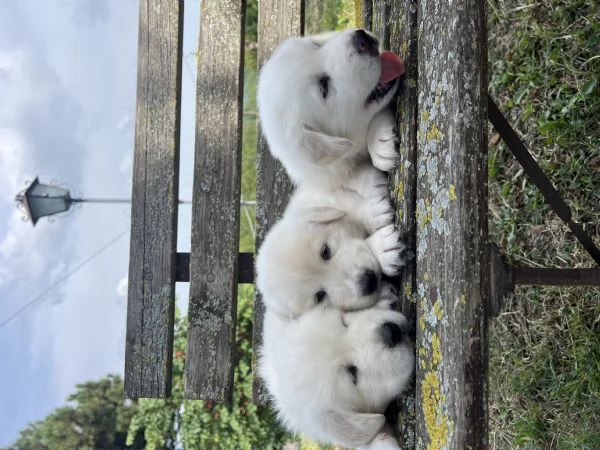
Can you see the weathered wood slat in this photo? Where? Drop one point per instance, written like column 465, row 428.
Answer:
column 150, row 307
column 452, row 275
column 277, row 20
column 395, row 23
column 216, row 202
column 365, row 8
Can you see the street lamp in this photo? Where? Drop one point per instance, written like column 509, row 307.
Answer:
column 43, row 200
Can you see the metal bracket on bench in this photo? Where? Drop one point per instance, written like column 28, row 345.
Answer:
column 503, row 278
column 245, row 268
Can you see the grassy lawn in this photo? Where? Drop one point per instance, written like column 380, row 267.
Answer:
column 544, row 64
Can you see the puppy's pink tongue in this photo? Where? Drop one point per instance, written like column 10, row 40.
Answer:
column 392, row 66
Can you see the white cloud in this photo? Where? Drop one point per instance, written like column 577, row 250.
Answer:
column 10, row 62
column 12, row 153
column 86, row 328
column 122, row 287
column 126, row 164
column 124, row 123
column 24, row 251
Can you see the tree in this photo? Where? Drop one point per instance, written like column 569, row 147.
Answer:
column 194, row 424
column 97, row 418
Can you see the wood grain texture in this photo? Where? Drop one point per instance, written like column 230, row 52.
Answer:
column 395, row 23
column 452, row 274
column 150, row 306
column 216, row 202
column 277, row 20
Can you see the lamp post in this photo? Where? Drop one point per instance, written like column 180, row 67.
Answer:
column 45, row 200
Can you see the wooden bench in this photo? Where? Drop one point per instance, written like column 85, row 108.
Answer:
column 213, row 267
column 440, row 187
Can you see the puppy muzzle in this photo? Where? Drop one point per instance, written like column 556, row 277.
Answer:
column 391, row 334
column 364, row 43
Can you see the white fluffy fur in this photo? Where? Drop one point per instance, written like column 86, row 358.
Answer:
column 332, row 149
column 305, row 364
column 341, row 199
column 320, row 141
column 355, row 224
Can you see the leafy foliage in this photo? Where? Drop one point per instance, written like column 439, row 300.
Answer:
column 194, row 424
column 98, row 418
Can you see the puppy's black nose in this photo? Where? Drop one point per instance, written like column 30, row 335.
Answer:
column 369, row 282
column 364, row 43
column 391, row 334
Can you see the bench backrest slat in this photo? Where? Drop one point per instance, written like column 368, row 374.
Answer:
column 216, row 201
column 277, row 20
column 150, row 308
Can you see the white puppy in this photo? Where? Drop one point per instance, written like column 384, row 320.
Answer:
column 331, row 375
column 330, row 248
column 320, row 100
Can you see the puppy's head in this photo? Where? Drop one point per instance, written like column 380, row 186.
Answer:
column 333, row 84
column 331, row 374
column 316, row 256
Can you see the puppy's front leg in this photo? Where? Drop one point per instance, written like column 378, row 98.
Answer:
column 389, row 249
column 372, row 206
column 382, row 141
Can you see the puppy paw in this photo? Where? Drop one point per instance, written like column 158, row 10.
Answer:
column 379, row 214
column 384, row 150
column 389, row 249
column 369, row 182
column 382, row 141
column 388, row 298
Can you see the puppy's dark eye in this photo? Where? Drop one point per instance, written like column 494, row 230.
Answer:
column 353, row 371
column 320, row 296
column 325, row 253
column 324, row 85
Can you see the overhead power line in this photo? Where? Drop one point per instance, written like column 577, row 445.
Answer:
column 41, row 295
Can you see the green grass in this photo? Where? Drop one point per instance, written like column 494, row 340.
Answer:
column 248, row 213
column 544, row 64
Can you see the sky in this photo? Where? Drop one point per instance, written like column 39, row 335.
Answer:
column 67, row 105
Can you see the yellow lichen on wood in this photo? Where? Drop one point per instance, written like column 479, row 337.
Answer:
column 437, row 310
column 436, row 419
column 435, row 422
column 452, row 192
column 436, row 352
column 404, row 49
column 423, row 213
column 422, row 322
column 400, row 190
column 434, row 133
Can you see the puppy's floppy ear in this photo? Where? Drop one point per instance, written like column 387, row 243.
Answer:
column 324, row 215
column 352, row 429
column 324, row 148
